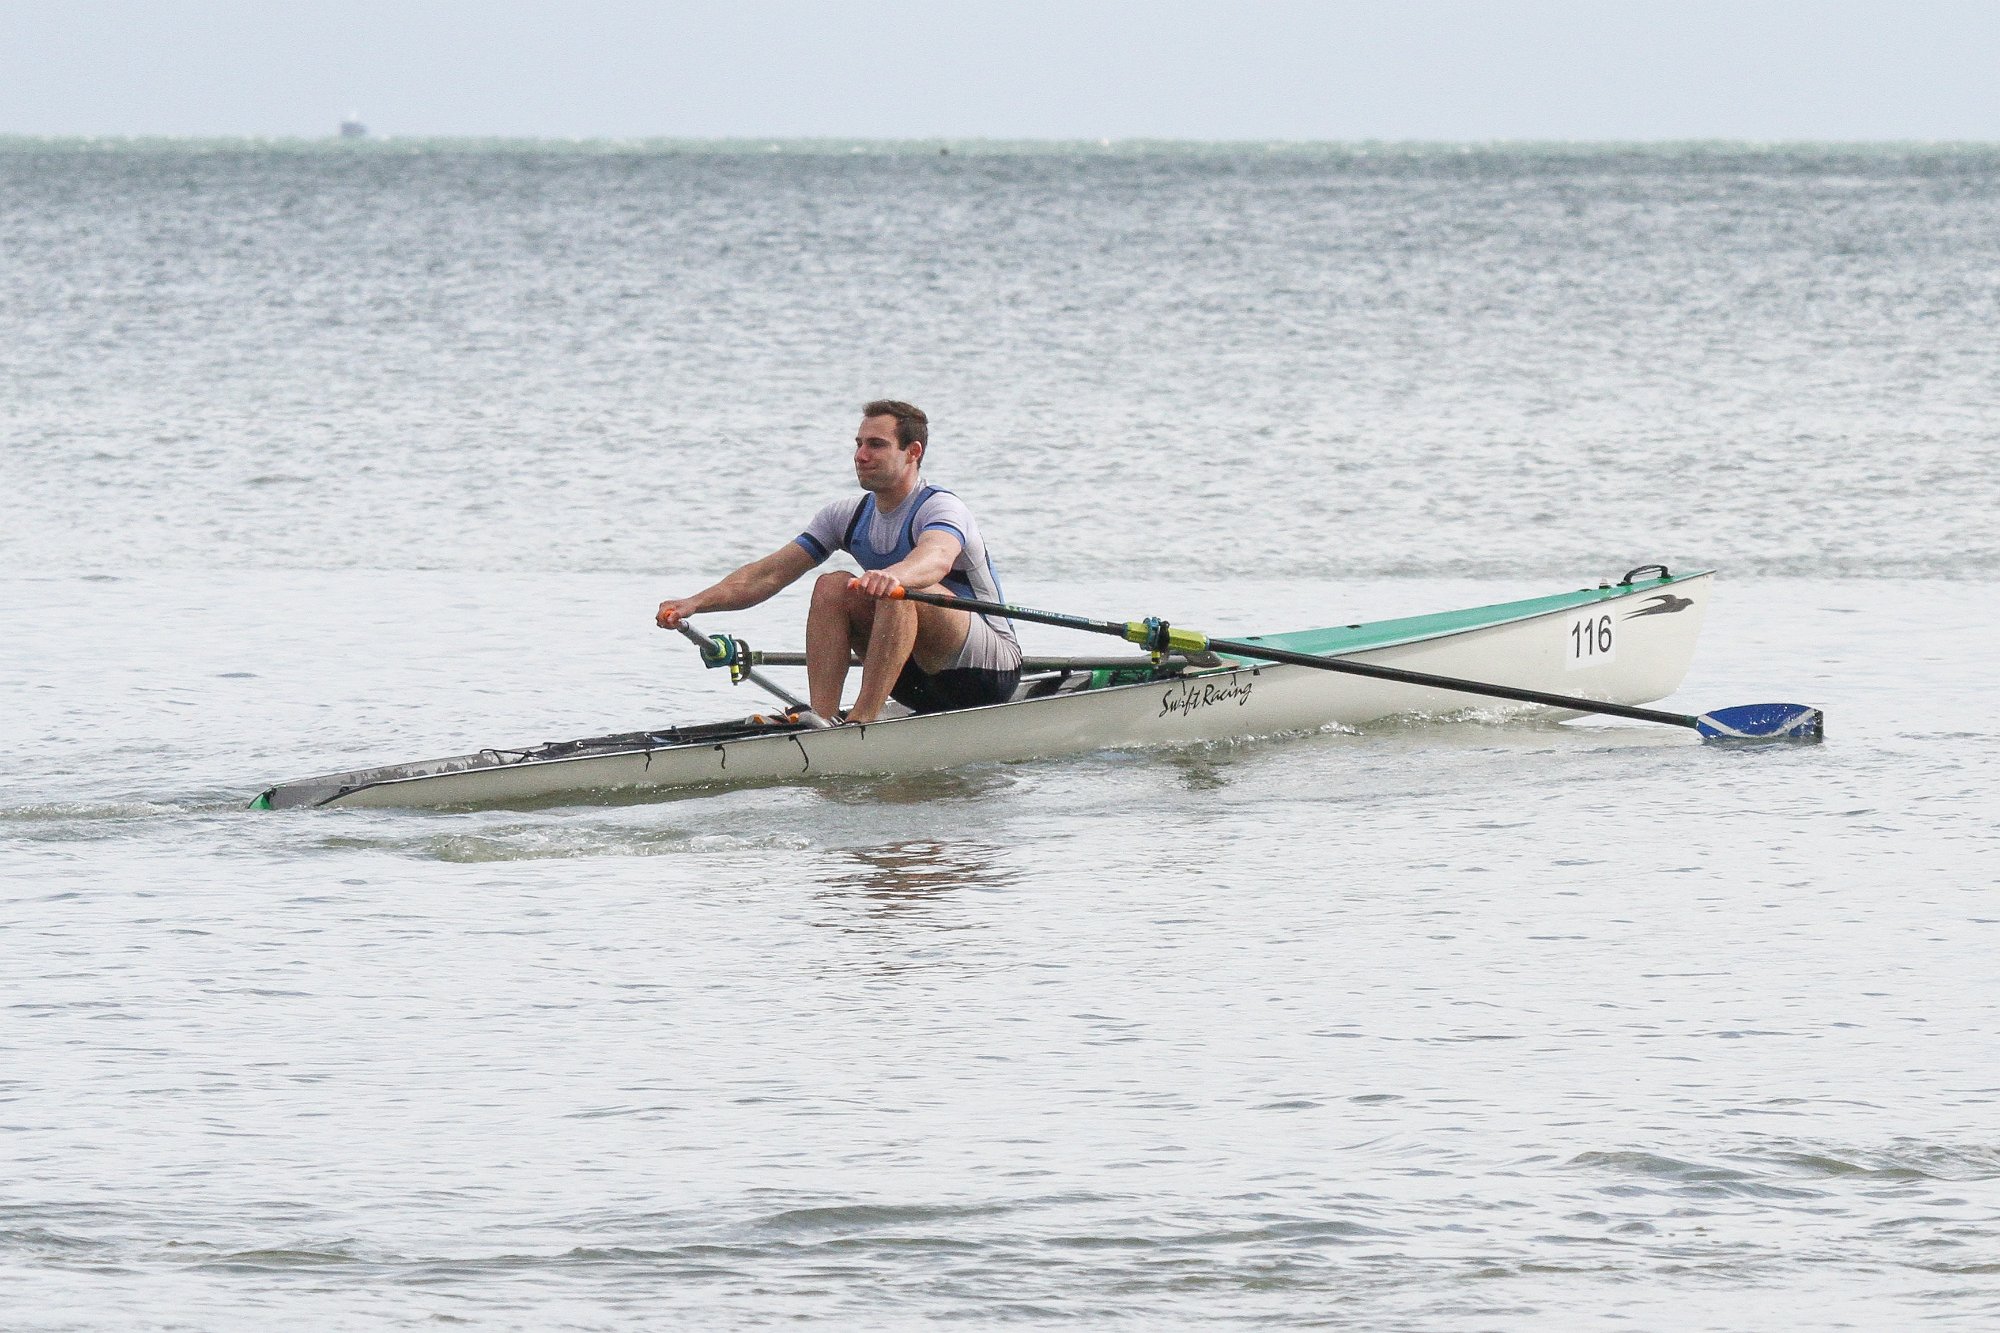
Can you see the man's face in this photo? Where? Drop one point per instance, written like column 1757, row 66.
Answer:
column 879, row 464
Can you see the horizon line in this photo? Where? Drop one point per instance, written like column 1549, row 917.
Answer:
column 780, row 143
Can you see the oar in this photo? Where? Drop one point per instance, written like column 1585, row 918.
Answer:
column 1744, row 722
column 718, row 650
column 778, row 657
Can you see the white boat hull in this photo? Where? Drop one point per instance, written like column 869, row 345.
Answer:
column 1648, row 640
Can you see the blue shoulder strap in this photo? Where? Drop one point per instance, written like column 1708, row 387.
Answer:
column 910, row 528
column 854, row 524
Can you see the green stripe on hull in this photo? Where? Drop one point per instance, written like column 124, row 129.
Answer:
column 1340, row 639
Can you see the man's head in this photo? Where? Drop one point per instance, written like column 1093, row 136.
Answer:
column 890, row 445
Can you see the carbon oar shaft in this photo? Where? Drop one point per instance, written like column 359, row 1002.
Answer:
column 756, row 678
column 1181, row 640
column 1029, row 665
column 1452, row 683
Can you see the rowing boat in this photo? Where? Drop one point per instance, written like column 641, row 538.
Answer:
column 1623, row 643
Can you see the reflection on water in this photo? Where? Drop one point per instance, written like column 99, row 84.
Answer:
column 1197, row 771
column 963, row 784
column 905, row 882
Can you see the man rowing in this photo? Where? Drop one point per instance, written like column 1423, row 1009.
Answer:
column 904, row 534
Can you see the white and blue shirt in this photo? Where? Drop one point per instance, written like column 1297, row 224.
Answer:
column 878, row 540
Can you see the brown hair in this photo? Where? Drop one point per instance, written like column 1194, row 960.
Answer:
column 912, row 426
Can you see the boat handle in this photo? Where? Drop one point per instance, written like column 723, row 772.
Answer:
column 1632, row 574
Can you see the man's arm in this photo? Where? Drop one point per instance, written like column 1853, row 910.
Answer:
column 924, row 567
column 755, row 582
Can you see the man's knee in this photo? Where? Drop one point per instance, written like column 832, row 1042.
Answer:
column 832, row 595
column 831, row 589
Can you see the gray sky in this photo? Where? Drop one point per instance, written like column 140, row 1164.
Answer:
column 1078, row 69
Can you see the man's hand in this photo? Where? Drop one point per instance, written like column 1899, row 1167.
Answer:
column 674, row 613
column 877, row 583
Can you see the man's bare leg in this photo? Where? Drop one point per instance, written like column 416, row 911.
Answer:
column 889, row 642
column 830, row 641
column 902, row 631
column 940, row 634
column 844, row 622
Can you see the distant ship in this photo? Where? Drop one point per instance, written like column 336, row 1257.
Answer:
column 353, row 129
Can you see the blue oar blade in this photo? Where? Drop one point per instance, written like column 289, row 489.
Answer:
column 1755, row 722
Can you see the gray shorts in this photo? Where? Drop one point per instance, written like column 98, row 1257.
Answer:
column 986, row 649
column 985, row 671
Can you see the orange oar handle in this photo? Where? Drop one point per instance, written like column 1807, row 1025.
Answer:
column 897, row 594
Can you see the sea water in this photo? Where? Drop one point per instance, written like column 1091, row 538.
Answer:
column 317, row 458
